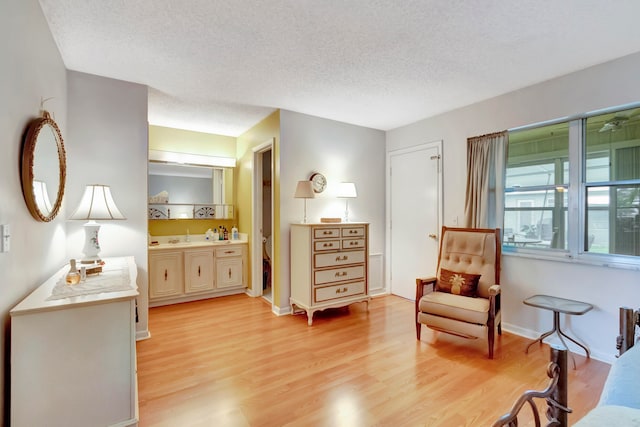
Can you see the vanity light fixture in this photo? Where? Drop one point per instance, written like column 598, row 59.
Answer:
column 191, row 159
column 347, row 190
column 96, row 204
column 304, row 190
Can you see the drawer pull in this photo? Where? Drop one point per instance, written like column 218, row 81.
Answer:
column 198, row 271
column 353, row 243
column 339, row 291
column 229, row 252
column 229, row 273
column 342, row 258
column 353, row 231
column 341, row 273
column 165, row 274
column 327, row 245
column 326, row 232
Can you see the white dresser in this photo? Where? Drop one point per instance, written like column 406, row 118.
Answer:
column 329, row 266
column 73, row 359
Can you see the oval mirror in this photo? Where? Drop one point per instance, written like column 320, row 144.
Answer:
column 43, row 168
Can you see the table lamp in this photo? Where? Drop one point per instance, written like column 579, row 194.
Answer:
column 304, row 190
column 347, row 190
column 96, row 204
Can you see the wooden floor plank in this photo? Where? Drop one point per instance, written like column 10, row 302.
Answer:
column 230, row 362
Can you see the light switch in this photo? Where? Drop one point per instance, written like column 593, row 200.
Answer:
column 5, row 242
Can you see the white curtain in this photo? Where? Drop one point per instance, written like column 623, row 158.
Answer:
column 486, row 161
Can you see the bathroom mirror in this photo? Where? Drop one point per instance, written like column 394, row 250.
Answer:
column 43, row 168
column 182, row 191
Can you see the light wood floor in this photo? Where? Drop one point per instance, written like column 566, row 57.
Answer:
column 231, row 362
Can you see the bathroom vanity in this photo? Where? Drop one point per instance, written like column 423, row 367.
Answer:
column 189, row 271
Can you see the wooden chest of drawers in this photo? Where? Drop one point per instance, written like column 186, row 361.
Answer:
column 329, row 266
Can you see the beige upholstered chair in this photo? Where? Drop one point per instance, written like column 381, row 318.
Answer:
column 446, row 303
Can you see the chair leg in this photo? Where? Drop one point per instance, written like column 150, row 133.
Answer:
column 491, row 330
column 417, row 304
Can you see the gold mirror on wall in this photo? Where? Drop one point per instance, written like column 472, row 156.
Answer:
column 43, row 168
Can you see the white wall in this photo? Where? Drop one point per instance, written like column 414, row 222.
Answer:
column 31, row 69
column 605, row 85
column 341, row 152
column 108, row 144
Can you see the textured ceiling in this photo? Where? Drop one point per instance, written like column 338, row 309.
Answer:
column 220, row 66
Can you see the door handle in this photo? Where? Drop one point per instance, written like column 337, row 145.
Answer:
column 433, row 236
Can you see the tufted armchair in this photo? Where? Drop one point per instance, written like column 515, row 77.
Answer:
column 464, row 297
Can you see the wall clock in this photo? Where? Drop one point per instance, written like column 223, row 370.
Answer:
column 319, row 182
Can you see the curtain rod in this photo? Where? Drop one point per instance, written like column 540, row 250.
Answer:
column 488, row 135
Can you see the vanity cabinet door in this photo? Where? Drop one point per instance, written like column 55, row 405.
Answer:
column 166, row 274
column 229, row 272
column 198, row 271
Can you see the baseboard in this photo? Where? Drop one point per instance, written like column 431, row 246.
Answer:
column 281, row 311
column 533, row 335
column 377, row 293
column 143, row 335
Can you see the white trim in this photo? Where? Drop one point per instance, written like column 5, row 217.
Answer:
column 597, row 260
column 576, row 117
column 533, row 335
column 281, row 311
column 143, row 335
column 190, row 159
column 256, row 215
column 418, row 147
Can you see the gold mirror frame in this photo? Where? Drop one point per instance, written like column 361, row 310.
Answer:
column 27, row 167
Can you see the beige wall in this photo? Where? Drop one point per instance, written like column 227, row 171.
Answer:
column 107, row 144
column 342, row 153
column 31, row 70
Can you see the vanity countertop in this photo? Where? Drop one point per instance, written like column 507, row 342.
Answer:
column 163, row 245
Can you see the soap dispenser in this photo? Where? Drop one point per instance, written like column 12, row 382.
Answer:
column 234, row 233
column 214, row 235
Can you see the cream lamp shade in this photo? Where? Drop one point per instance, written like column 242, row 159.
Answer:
column 347, row 190
column 304, row 190
column 96, row 204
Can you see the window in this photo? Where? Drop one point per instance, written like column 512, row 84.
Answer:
column 536, row 186
column 589, row 166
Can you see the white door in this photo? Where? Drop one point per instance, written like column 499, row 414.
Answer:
column 415, row 212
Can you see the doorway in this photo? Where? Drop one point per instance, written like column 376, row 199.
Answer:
column 415, row 212
column 262, row 221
